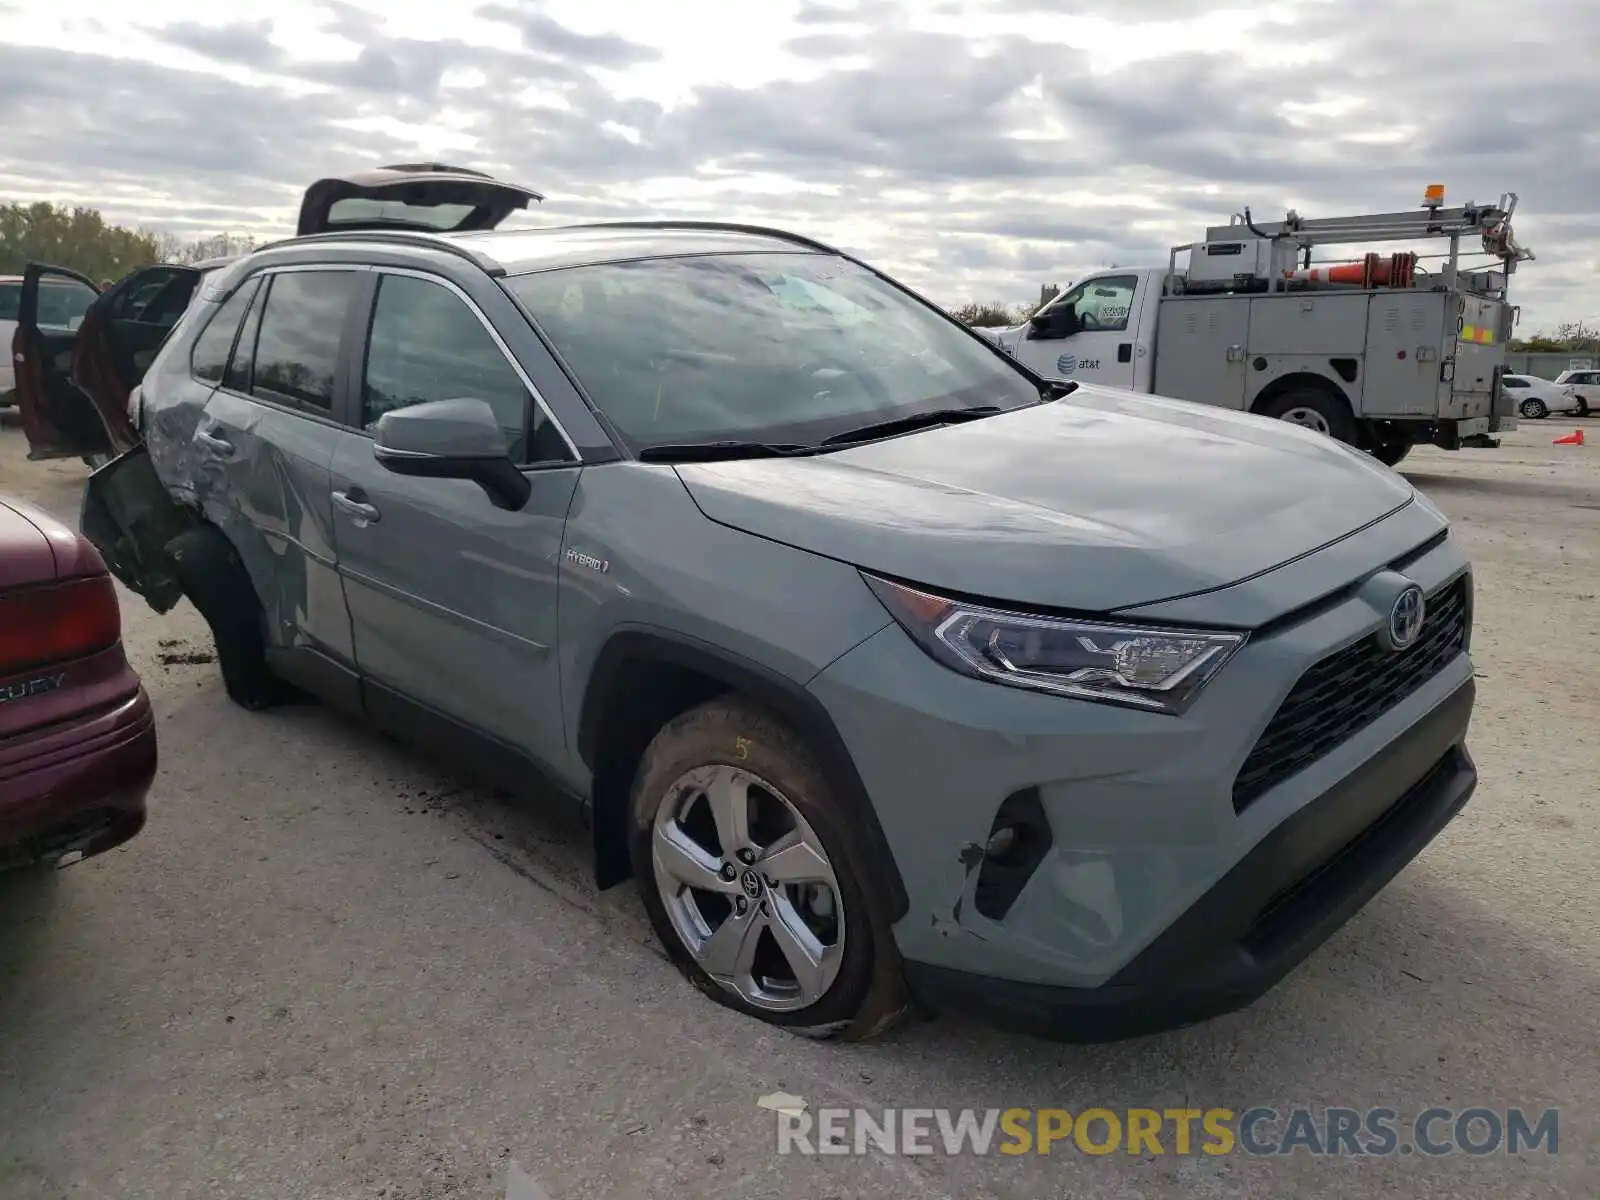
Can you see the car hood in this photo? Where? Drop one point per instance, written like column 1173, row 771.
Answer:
column 1099, row 501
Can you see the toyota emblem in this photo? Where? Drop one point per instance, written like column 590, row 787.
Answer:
column 1406, row 617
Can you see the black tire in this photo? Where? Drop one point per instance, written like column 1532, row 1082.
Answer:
column 1333, row 410
column 216, row 582
column 1534, row 409
column 1390, row 451
column 868, row 996
column 1583, row 406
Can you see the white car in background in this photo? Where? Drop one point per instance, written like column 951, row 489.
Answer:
column 1539, row 397
column 59, row 306
column 1585, row 388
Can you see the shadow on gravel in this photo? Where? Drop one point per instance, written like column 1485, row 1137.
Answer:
column 27, row 919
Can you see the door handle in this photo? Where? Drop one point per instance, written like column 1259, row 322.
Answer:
column 220, row 446
column 1125, row 352
column 358, row 508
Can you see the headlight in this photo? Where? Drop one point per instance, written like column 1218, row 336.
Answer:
column 1161, row 670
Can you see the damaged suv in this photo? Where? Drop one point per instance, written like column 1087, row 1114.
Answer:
column 891, row 672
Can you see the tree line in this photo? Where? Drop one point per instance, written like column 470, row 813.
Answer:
column 82, row 240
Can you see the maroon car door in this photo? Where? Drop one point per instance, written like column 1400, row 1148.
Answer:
column 58, row 419
column 76, row 366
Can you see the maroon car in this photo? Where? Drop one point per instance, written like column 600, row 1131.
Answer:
column 77, row 737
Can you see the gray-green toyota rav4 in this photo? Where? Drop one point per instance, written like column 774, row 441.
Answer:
column 894, row 675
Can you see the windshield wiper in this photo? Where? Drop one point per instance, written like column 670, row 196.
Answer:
column 943, row 416
column 714, row 451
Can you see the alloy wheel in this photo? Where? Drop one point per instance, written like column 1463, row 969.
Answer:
column 748, row 887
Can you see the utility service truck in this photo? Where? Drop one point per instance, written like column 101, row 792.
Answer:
column 1380, row 351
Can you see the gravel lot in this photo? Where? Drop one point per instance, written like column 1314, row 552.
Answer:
column 329, row 968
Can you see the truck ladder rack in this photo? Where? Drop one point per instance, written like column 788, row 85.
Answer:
column 1491, row 222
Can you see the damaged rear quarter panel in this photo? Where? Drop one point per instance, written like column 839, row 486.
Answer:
column 271, row 499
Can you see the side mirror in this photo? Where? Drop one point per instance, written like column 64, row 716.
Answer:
column 1057, row 323
column 452, row 439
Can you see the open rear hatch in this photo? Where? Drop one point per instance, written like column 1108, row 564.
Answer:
column 429, row 196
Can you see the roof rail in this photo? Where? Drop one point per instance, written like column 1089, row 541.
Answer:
column 783, row 235
column 400, row 237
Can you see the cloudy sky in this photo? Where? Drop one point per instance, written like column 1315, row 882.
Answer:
column 975, row 148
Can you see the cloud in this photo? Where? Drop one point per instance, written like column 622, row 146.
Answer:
column 550, row 38
column 976, row 148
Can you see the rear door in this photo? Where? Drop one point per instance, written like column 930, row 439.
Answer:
column 264, row 440
column 79, row 352
column 120, row 337
column 60, row 421
column 1585, row 386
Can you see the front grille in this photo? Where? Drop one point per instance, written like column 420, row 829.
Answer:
column 1347, row 691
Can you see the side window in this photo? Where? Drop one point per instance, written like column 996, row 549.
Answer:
column 62, row 302
column 426, row 344
column 1105, row 303
column 242, row 365
column 1511, row 381
column 297, row 346
column 208, row 360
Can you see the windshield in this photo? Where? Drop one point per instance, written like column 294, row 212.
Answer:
column 789, row 348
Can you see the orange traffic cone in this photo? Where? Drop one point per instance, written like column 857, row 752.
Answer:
column 1575, row 438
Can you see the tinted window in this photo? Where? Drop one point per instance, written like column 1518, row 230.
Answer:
column 209, row 358
column 160, row 297
column 242, row 363
column 62, row 302
column 10, row 301
column 297, row 347
column 426, row 344
column 786, row 347
column 361, row 211
column 1511, row 381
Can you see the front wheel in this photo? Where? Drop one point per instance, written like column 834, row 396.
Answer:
column 755, row 880
column 1534, row 409
column 1583, row 407
column 1318, row 410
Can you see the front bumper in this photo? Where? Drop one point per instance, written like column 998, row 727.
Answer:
column 1163, row 839
column 1264, row 917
